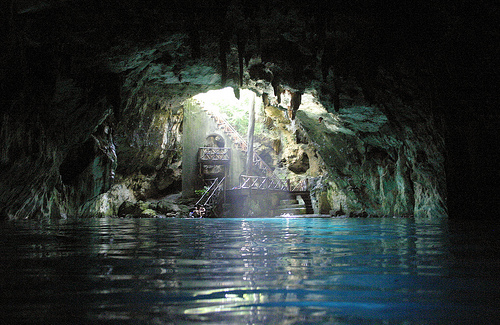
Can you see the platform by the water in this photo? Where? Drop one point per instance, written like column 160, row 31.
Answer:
column 303, row 216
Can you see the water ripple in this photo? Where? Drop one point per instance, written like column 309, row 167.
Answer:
column 260, row 271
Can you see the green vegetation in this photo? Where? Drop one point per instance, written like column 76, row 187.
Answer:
column 233, row 110
column 201, row 192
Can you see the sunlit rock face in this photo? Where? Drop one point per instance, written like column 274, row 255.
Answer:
column 359, row 160
column 375, row 167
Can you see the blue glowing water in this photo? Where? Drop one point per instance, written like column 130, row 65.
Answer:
column 247, row 271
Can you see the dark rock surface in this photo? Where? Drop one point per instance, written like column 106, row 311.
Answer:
column 91, row 95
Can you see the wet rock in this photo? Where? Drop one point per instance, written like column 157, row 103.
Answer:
column 374, row 168
column 170, row 208
column 358, row 214
column 109, row 203
column 136, row 209
column 149, row 213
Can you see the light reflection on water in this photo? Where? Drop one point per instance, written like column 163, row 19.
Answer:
column 244, row 271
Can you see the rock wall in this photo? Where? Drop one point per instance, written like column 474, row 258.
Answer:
column 57, row 152
column 357, row 160
column 57, row 102
column 365, row 101
column 374, row 169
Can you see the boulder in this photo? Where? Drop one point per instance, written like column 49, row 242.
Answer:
column 298, row 162
column 136, row 209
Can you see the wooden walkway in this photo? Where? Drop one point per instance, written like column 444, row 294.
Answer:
column 214, row 155
column 248, row 184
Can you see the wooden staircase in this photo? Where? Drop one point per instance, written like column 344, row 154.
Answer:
column 306, row 197
column 266, row 172
column 228, row 129
column 290, row 207
column 259, row 165
column 299, row 203
column 213, row 198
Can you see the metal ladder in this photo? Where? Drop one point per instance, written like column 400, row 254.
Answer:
column 212, row 199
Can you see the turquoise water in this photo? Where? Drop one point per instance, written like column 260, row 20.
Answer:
column 247, row 271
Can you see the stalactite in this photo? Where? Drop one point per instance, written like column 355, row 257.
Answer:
column 265, row 99
column 330, row 61
column 241, row 40
column 277, row 146
column 251, row 128
column 277, row 89
column 259, row 39
column 194, row 40
column 223, row 46
column 294, row 104
column 336, row 92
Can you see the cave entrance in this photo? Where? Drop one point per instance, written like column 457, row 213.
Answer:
column 248, row 182
column 224, row 103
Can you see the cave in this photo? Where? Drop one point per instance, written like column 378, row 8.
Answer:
column 382, row 110
column 368, row 105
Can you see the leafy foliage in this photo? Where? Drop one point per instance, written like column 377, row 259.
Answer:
column 233, row 110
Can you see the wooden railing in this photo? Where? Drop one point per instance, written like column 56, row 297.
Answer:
column 301, row 186
column 217, row 195
column 204, row 198
column 214, row 154
column 223, row 124
column 259, row 164
column 262, row 183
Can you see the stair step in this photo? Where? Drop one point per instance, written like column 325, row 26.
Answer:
column 285, row 202
column 292, row 206
column 238, row 142
column 291, row 211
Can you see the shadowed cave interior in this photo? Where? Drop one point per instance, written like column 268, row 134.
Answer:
column 384, row 109
column 345, row 154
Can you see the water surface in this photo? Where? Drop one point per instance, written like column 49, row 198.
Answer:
column 247, row 271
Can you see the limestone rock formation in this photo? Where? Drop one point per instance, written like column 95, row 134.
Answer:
column 298, row 162
column 91, row 101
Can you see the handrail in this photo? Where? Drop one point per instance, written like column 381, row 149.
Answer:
column 261, row 182
column 261, row 164
column 301, row 186
column 232, row 130
column 212, row 195
column 214, row 154
column 256, row 159
column 206, row 193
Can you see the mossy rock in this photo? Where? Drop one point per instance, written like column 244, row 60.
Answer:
column 149, row 213
column 130, row 209
column 166, row 207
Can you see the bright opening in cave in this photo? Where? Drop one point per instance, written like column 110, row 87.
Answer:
column 234, row 110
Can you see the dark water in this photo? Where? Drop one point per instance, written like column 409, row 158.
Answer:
column 247, row 271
